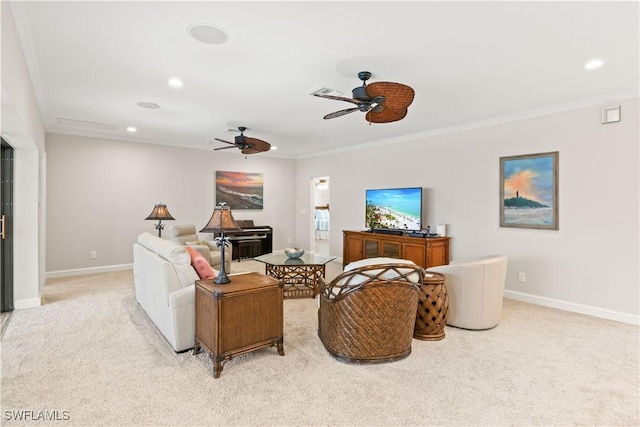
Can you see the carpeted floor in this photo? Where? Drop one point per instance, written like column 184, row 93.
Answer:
column 90, row 356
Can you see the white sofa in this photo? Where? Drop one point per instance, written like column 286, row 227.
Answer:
column 185, row 234
column 475, row 287
column 164, row 284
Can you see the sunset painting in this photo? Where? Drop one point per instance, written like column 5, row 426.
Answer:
column 239, row 190
column 529, row 191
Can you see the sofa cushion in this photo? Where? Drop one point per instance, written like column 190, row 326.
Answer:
column 201, row 265
column 181, row 233
column 216, row 257
column 167, row 249
column 197, row 242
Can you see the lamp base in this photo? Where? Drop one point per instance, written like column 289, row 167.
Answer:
column 222, row 279
column 222, row 274
column 159, row 227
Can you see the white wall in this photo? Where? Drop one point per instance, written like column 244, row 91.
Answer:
column 22, row 127
column 591, row 264
column 99, row 192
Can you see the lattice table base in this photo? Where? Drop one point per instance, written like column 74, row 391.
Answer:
column 433, row 308
column 300, row 281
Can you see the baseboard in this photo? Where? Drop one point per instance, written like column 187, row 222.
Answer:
column 27, row 303
column 90, row 270
column 574, row 307
column 618, row 316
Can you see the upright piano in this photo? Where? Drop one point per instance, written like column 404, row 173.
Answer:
column 249, row 232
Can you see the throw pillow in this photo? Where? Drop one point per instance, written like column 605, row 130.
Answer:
column 202, row 267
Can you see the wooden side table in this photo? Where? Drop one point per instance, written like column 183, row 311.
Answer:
column 433, row 308
column 238, row 317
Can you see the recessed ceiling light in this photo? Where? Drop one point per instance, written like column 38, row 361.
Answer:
column 207, row 33
column 150, row 105
column 175, row 82
column 274, row 148
column 594, row 63
column 132, row 129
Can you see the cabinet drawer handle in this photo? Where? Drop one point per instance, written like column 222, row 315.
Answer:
column 2, row 234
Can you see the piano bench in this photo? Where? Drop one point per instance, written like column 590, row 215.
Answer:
column 248, row 248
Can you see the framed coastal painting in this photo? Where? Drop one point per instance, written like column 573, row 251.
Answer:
column 529, row 191
column 240, row 190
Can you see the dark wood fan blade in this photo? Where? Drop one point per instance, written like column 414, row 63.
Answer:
column 249, row 150
column 255, row 145
column 246, row 144
column 387, row 115
column 340, row 113
column 397, row 96
column 226, row 142
column 337, row 98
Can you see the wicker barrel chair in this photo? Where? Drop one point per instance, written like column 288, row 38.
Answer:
column 367, row 314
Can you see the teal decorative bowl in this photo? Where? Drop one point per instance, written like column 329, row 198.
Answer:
column 294, row 252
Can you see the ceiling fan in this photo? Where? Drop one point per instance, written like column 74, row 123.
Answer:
column 383, row 102
column 246, row 144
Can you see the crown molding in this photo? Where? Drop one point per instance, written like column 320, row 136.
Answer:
column 568, row 106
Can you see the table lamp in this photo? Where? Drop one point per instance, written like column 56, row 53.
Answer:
column 221, row 221
column 160, row 212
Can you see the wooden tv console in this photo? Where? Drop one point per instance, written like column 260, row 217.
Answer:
column 424, row 251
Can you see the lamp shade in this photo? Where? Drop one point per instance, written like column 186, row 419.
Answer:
column 160, row 211
column 221, row 220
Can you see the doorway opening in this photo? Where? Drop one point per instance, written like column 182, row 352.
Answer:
column 322, row 214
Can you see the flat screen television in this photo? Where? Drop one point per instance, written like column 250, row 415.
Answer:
column 394, row 209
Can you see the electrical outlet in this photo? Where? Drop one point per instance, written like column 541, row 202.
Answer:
column 289, row 240
column 94, row 254
column 522, row 277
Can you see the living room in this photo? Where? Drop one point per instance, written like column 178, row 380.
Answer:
column 78, row 194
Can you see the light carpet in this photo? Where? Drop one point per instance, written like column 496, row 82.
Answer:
column 90, row 356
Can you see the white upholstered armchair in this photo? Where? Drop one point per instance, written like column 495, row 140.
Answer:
column 185, row 234
column 475, row 287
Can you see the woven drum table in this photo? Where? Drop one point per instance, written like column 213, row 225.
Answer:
column 432, row 308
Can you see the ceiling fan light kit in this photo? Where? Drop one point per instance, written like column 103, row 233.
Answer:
column 383, row 102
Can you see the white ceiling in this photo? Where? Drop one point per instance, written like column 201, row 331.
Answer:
column 467, row 61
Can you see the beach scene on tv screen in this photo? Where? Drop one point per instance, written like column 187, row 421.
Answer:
column 397, row 208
